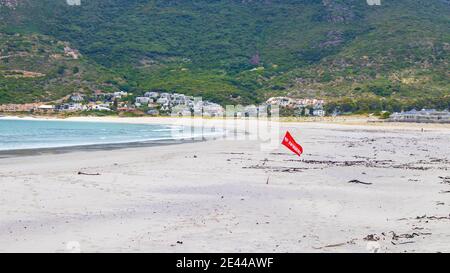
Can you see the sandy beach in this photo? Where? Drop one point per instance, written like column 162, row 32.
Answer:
column 357, row 187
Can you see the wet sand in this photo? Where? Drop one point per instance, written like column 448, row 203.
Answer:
column 357, row 187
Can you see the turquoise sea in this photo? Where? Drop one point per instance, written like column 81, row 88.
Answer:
column 31, row 134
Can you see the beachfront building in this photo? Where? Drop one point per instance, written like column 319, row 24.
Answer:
column 424, row 115
column 71, row 107
column 319, row 112
column 152, row 95
column 120, row 94
column 211, row 109
column 153, row 112
column 302, row 107
column 168, row 96
column 142, row 100
column 180, row 99
column 281, row 101
column 45, row 108
column 207, row 109
column 310, row 102
column 251, row 111
column 163, row 101
column 181, row 110
column 77, row 97
column 101, row 107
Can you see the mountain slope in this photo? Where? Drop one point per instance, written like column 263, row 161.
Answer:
column 244, row 51
column 35, row 67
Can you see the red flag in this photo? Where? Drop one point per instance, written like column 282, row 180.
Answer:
column 291, row 144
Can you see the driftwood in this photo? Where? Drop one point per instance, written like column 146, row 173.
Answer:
column 402, row 243
column 407, row 235
column 351, row 242
column 82, row 173
column 276, row 168
column 355, row 181
column 433, row 217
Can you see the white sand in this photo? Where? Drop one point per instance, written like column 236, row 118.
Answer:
column 213, row 196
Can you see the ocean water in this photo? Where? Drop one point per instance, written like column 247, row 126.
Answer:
column 31, row 134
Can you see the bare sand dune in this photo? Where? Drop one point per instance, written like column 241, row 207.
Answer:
column 356, row 187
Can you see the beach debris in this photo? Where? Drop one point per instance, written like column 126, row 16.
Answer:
column 418, row 228
column 333, row 245
column 445, row 179
column 180, row 242
column 292, row 170
column 385, row 164
column 351, row 242
column 402, row 243
column 396, row 239
column 355, row 181
column 407, row 235
column 433, row 217
column 83, row 173
column 371, row 237
column 277, row 169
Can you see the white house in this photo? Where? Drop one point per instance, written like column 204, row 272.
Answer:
column 251, row 111
column 101, row 107
column 424, row 115
column 166, row 95
column 319, row 112
column 213, row 109
column 152, row 95
column 280, row 101
column 72, row 107
column 120, row 94
column 163, row 101
column 142, row 100
column 46, row 107
column 77, row 97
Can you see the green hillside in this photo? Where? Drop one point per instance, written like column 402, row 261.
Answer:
column 237, row 51
column 36, row 68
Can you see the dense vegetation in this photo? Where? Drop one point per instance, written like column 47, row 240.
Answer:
column 232, row 51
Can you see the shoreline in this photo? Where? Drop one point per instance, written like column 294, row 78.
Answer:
column 356, row 120
column 95, row 147
column 108, row 145
column 241, row 127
